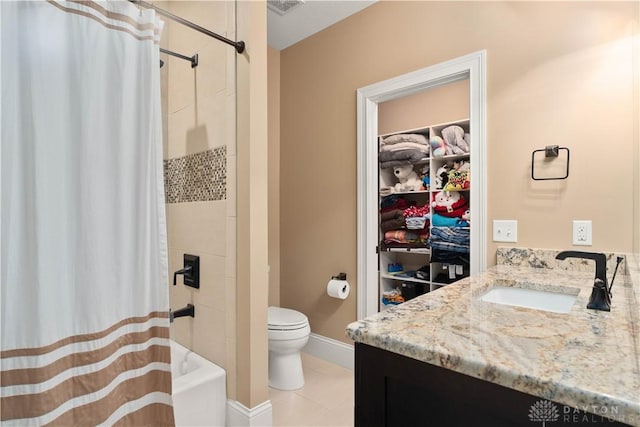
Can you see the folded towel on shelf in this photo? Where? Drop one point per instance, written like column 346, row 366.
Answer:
column 405, row 137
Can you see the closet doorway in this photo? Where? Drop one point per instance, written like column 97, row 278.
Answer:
column 470, row 67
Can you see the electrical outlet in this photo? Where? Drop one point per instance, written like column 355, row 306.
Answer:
column 505, row 231
column 582, row 233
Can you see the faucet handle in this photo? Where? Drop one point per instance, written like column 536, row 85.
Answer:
column 600, row 298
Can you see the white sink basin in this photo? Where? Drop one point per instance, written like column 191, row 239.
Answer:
column 530, row 298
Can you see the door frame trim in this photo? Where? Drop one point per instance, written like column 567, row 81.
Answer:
column 472, row 67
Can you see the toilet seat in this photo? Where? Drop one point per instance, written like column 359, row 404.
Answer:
column 284, row 319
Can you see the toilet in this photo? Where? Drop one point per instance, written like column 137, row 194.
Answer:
column 288, row 332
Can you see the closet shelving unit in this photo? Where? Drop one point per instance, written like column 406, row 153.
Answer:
column 416, row 256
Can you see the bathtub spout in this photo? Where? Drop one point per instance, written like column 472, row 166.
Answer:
column 189, row 310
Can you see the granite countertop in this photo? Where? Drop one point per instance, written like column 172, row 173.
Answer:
column 586, row 359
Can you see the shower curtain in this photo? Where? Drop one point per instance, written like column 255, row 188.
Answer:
column 84, row 333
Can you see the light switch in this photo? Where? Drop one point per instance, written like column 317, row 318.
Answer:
column 505, row 231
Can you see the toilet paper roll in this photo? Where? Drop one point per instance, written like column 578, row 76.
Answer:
column 338, row 288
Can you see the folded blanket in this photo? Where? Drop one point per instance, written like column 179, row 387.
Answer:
column 392, row 220
column 453, row 239
column 393, row 202
column 404, row 157
column 446, row 246
column 458, row 235
column 392, row 224
column 406, row 137
column 416, row 211
column 390, row 201
column 444, row 221
column 392, row 214
column 393, row 163
column 404, row 236
column 405, row 146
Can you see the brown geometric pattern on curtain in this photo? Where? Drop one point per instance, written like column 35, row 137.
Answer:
column 101, row 373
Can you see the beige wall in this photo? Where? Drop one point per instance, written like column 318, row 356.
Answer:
column 273, row 68
column 437, row 105
column 200, row 115
column 252, row 208
column 558, row 73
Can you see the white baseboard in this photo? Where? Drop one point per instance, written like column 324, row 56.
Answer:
column 330, row 350
column 240, row 415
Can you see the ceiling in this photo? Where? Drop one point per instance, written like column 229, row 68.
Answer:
column 308, row 18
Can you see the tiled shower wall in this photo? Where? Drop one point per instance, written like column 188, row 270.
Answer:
column 199, row 107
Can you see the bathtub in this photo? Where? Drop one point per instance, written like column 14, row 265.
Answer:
column 199, row 389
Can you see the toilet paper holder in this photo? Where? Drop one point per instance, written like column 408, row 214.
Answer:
column 340, row 276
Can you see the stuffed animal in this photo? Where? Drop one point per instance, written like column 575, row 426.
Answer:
column 465, row 220
column 458, row 176
column 438, row 147
column 426, row 179
column 450, row 204
column 454, row 139
column 409, row 179
column 461, row 165
column 442, row 176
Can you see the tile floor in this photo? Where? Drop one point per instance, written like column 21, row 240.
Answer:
column 325, row 400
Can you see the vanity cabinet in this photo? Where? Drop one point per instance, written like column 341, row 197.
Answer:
column 395, row 390
column 408, row 265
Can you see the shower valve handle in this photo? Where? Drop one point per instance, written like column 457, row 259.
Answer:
column 186, row 271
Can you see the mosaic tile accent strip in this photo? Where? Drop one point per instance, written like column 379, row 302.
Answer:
column 196, row 177
column 546, row 258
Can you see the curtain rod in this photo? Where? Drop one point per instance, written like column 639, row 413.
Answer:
column 239, row 45
column 193, row 59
